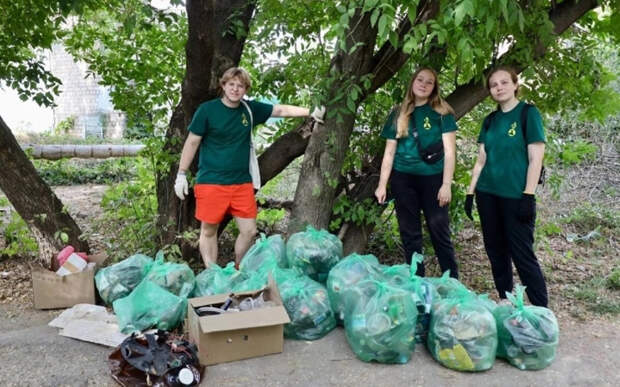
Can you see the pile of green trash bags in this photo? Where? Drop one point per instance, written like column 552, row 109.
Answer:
column 463, row 334
column 528, row 335
column 146, row 294
column 314, row 252
column 305, row 300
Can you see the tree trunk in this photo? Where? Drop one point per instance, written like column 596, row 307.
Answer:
column 463, row 99
column 316, row 191
column 102, row 151
column 34, row 200
column 212, row 47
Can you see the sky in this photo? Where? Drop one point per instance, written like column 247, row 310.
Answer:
column 23, row 116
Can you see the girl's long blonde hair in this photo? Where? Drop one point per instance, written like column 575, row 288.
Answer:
column 437, row 103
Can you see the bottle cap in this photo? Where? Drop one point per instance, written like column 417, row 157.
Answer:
column 186, row 376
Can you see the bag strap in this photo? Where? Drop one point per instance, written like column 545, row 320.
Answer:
column 247, row 107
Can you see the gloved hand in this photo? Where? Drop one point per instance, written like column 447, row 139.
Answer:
column 469, row 203
column 527, row 208
column 318, row 113
column 180, row 185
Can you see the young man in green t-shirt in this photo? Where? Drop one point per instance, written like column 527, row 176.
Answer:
column 222, row 129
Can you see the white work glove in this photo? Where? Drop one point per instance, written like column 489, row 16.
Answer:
column 318, row 113
column 180, row 185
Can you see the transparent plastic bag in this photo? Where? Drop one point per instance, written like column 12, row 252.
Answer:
column 528, row 335
column 176, row 278
column 149, row 305
column 265, row 254
column 308, row 307
column 314, row 252
column 462, row 334
column 446, row 285
column 380, row 326
column 118, row 280
column 217, row 280
column 346, row 274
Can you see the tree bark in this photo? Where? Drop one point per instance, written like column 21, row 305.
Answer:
column 34, row 200
column 214, row 44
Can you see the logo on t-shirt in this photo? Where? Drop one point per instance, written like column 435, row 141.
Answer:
column 244, row 120
column 427, row 123
column 513, row 129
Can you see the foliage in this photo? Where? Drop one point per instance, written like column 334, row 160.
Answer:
column 596, row 296
column 65, row 126
column 74, row 171
column 26, row 27
column 130, row 214
column 613, row 280
column 18, row 240
column 137, row 50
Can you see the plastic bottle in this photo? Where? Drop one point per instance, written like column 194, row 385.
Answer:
column 183, row 376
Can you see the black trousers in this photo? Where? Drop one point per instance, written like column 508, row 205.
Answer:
column 413, row 193
column 507, row 240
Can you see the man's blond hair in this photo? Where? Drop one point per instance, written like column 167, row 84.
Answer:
column 236, row 72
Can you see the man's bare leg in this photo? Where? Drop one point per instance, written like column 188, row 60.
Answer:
column 247, row 232
column 208, row 243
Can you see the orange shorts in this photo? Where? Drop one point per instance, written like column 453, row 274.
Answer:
column 214, row 201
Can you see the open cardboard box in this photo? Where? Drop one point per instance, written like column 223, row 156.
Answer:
column 237, row 335
column 52, row 291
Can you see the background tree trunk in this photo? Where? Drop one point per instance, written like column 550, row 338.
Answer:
column 214, row 44
column 34, row 200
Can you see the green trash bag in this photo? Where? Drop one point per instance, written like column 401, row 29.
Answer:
column 462, row 334
column 118, row 280
column 177, row 278
column 149, row 305
column 446, row 285
column 254, row 281
column 425, row 294
column 314, row 252
column 265, row 254
column 381, row 325
column 217, row 280
column 528, row 335
column 307, row 305
column 345, row 275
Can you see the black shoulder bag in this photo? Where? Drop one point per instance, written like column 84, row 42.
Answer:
column 432, row 153
column 486, row 124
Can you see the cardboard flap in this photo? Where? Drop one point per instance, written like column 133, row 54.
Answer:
column 261, row 317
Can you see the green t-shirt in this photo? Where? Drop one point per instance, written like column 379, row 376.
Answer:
column 505, row 170
column 431, row 125
column 225, row 145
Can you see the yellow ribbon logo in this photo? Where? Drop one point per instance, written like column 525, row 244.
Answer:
column 513, row 129
column 244, row 120
column 427, row 123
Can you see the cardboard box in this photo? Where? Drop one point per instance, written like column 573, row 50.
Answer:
column 52, row 291
column 237, row 335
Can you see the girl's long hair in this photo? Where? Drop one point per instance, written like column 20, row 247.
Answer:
column 437, row 103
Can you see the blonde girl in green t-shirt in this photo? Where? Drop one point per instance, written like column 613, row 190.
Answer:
column 419, row 159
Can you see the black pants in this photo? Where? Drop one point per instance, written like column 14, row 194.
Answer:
column 412, row 194
column 507, row 240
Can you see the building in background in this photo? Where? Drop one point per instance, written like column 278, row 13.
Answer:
column 83, row 105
